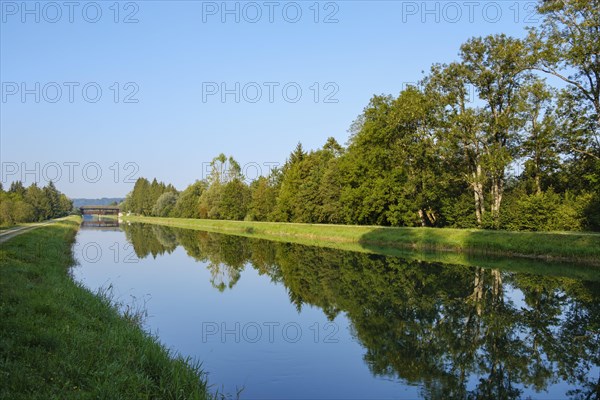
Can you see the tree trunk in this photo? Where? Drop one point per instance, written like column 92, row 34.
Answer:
column 478, row 194
column 422, row 216
column 497, row 285
column 477, row 295
column 497, row 191
column 538, row 180
column 431, row 217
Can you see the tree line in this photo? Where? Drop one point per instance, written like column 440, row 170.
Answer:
column 32, row 204
column 443, row 152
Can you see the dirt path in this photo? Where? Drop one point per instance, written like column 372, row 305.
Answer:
column 12, row 232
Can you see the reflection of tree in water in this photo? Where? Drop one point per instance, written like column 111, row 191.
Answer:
column 166, row 237
column 155, row 240
column 430, row 324
column 226, row 256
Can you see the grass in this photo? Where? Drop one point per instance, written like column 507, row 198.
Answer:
column 58, row 340
column 17, row 225
column 571, row 247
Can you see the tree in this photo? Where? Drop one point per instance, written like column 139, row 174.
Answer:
column 227, row 195
column 65, row 205
column 7, row 215
column 331, row 184
column 291, row 177
column 140, row 193
column 208, row 204
column 373, row 176
column 164, row 204
column 540, row 144
column 23, row 212
column 17, row 188
column 39, row 202
column 416, row 147
column 235, row 198
column 187, row 203
column 263, row 199
column 53, row 196
column 567, row 45
column 393, row 165
column 333, row 147
column 462, row 137
column 297, row 155
column 30, row 204
column 497, row 67
column 303, row 195
column 156, row 190
column 127, row 204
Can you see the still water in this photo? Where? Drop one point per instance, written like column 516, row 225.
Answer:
column 286, row 321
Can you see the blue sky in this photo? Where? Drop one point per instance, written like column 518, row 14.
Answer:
column 158, row 114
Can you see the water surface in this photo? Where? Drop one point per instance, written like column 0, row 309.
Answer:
column 286, row 321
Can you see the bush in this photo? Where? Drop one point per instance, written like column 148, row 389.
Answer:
column 546, row 211
column 592, row 212
column 459, row 212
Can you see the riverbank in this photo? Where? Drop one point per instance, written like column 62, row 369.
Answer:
column 582, row 248
column 58, row 340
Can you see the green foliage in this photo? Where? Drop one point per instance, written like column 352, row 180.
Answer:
column 39, row 201
column 592, row 212
column 302, row 196
column 20, row 204
column 545, row 211
column 566, row 46
column 459, row 211
column 234, row 201
column 165, row 204
column 17, row 188
column 208, row 204
column 23, row 212
column 393, row 165
column 144, row 196
column 441, row 155
column 187, row 205
column 227, row 196
column 7, row 213
column 263, row 199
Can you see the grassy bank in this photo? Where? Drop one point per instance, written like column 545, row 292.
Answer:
column 581, row 248
column 58, row 340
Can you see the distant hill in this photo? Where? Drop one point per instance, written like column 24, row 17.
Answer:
column 105, row 201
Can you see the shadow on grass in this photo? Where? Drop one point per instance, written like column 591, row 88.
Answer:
column 568, row 255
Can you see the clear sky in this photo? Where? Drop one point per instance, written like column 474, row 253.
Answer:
column 182, row 81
